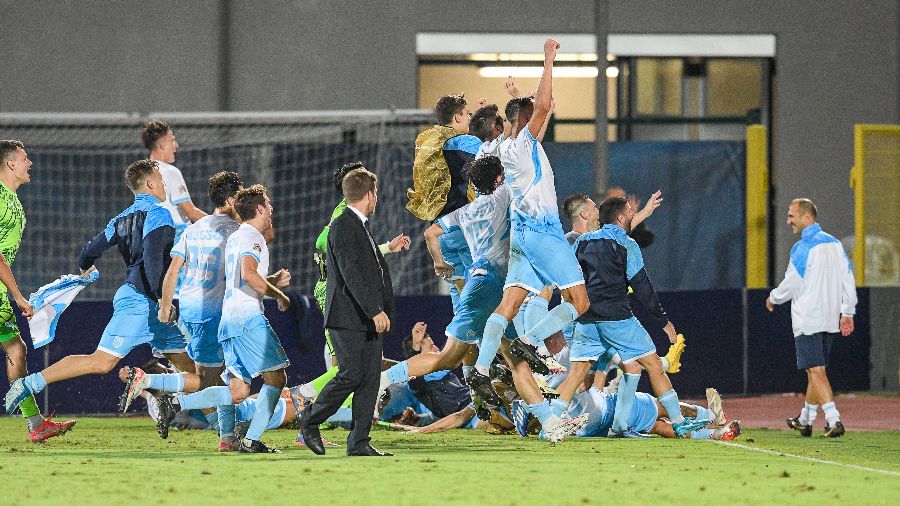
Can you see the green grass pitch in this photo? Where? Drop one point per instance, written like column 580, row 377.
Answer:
column 117, row 461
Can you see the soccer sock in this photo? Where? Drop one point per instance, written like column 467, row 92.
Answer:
column 702, row 434
column 265, row 406
column 166, row 382
column 35, row 382
column 808, row 413
column 665, row 363
column 831, row 413
column 669, row 401
column 319, row 383
column 209, row 397
column 398, row 373
column 490, row 342
column 558, row 406
column 625, row 401
column 518, row 321
column 535, row 312
column 226, row 419
column 555, row 320
column 703, row 413
column 541, row 411
column 29, row 408
column 213, row 420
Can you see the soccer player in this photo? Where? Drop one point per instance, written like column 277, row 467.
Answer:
column 143, row 233
column 439, row 180
column 822, row 291
column 250, row 346
column 14, row 172
column 612, row 262
column 200, row 256
column 159, row 139
column 397, row 244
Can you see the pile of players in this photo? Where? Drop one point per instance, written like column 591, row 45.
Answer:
column 502, row 249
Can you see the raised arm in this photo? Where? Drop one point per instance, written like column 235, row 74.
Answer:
column 543, row 99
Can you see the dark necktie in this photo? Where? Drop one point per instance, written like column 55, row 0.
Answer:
column 372, row 243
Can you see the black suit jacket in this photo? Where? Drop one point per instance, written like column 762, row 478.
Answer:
column 356, row 288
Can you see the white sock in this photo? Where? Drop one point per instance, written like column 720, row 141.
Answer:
column 808, row 414
column 831, row 413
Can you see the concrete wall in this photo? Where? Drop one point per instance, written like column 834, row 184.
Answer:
column 836, row 64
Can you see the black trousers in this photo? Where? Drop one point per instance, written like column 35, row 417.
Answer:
column 359, row 371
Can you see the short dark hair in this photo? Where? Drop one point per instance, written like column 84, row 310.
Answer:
column 7, row 148
column 484, row 120
column 806, row 206
column 516, row 106
column 408, row 350
column 247, row 200
column 137, row 173
column 448, row 106
column 154, row 130
column 223, row 185
column 572, row 205
column 342, row 171
column 357, row 183
column 611, row 208
column 483, row 172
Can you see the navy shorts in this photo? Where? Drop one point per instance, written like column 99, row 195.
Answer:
column 812, row 351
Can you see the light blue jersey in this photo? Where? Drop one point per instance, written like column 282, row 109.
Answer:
column 202, row 246
column 601, row 409
column 241, row 303
column 530, row 176
column 485, row 225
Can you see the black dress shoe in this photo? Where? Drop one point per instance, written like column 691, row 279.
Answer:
column 312, row 438
column 368, row 451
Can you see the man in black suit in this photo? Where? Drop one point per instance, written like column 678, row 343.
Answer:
column 359, row 308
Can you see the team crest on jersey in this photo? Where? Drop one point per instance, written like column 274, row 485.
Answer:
column 118, row 342
column 470, row 334
column 182, row 189
column 257, row 248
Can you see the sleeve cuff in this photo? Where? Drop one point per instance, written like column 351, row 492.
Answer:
column 175, row 202
column 250, row 253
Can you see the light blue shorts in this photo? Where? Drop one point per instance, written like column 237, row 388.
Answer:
column 255, row 351
column 456, row 252
column 479, row 299
column 541, row 258
column 627, row 337
column 245, row 410
column 587, row 345
column 134, row 322
column 203, row 346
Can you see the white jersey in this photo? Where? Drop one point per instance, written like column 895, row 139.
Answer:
column 490, row 148
column 242, row 302
column 530, row 176
column 202, row 246
column 485, row 225
column 176, row 193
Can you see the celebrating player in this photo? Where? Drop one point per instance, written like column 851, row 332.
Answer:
column 143, row 234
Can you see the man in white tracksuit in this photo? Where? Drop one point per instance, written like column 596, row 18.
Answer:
column 822, row 291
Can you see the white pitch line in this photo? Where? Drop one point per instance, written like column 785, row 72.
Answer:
column 811, row 459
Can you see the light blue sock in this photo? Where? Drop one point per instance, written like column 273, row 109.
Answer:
column 265, row 406
column 226, row 419
column 558, row 406
column 166, row 382
column 541, row 411
column 555, row 320
column 213, row 420
column 702, row 434
column 35, row 382
column 518, row 321
column 490, row 342
column 209, row 397
column 625, row 401
column 534, row 314
column 704, row 414
column 467, row 369
column 669, row 401
column 398, row 373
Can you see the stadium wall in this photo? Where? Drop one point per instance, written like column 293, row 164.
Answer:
column 837, row 63
column 733, row 344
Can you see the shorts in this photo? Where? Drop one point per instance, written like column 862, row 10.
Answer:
column 813, row 351
column 456, row 252
column 134, row 323
column 9, row 328
column 479, row 299
column 539, row 259
column 627, row 337
column 255, row 351
column 203, row 343
column 587, row 345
